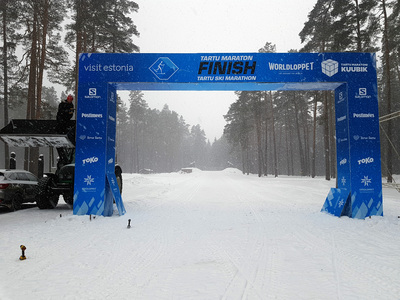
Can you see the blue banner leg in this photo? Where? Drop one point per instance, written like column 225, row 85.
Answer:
column 114, row 188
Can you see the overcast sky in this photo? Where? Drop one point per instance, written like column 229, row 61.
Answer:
column 206, row 26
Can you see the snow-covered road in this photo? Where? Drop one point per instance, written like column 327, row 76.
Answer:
column 204, row 235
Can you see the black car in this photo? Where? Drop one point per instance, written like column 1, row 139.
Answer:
column 17, row 187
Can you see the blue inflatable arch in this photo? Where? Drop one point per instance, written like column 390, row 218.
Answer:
column 351, row 75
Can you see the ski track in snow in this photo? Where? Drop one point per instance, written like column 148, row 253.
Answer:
column 204, row 235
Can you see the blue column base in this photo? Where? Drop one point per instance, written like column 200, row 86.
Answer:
column 338, row 202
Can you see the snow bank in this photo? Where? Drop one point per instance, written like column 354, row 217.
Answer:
column 232, row 170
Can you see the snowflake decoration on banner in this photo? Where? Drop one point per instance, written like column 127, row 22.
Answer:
column 89, row 180
column 366, row 181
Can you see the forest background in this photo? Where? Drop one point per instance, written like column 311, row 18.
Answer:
column 271, row 132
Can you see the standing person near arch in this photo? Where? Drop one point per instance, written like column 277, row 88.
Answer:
column 64, row 114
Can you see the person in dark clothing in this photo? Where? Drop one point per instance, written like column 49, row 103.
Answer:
column 13, row 161
column 64, row 114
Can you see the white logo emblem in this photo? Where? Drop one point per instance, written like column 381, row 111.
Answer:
column 365, row 161
column 163, row 68
column 362, row 91
column 90, row 160
column 330, row 67
column 92, row 91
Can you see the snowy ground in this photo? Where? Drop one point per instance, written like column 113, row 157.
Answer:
column 204, row 235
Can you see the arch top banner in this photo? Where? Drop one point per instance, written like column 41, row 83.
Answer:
column 233, row 67
column 351, row 75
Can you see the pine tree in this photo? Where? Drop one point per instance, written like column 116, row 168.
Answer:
column 136, row 113
column 354, row 26
column 394, row 44
column 318, row 30
column 122, row 151
column 238, row 128
column 49, row 103
column 319, row 35
column 10, row 25
column 119, row 26
column 388, row 84
column 101, row 26
column 199, row 147
column 42, row 20
column 269, row 108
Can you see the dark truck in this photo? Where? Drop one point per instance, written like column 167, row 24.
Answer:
column 42, row 133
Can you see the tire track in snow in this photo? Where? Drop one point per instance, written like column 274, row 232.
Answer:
column 270, row 275
column 345, row 264
column 223, row 265
column 259, row 251
column 369, row 271
column 176, row 200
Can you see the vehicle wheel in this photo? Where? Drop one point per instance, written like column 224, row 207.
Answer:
column 45, row 199
column 69, row 199
column 16, row 202
column 119, row 181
